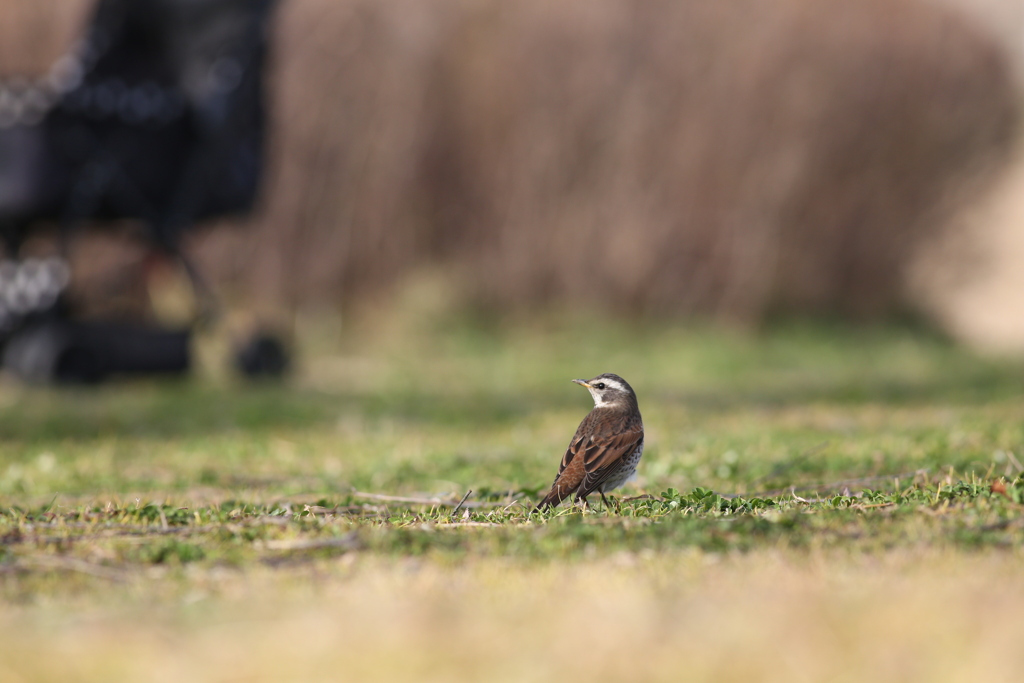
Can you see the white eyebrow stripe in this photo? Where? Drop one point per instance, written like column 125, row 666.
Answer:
column 612, row 383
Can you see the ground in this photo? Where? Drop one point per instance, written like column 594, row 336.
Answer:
column 816, row 502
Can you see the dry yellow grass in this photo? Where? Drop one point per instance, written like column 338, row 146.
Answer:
column 764, row 616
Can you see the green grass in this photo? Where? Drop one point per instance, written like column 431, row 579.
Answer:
column 794, row 456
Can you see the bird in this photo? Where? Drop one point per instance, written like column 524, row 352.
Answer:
column 606, row 448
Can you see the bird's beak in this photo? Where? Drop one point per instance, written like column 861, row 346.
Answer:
column 582, row 383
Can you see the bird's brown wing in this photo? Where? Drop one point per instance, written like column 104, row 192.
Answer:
column 571, row 470
column 603, row 454
column 578, row 444
column 592, row 455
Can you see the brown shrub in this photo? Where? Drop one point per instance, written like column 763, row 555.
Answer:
column 644, row 156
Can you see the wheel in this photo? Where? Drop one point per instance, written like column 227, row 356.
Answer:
column 263, row 355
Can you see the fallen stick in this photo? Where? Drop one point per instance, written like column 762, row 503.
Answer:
column 73, row 565
column 425, row 501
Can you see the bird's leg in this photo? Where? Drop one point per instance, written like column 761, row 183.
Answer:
column 605, row 501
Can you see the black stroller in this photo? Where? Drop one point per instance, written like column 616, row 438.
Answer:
column 156, row 115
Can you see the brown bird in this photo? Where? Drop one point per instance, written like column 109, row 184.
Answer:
column 604, row 453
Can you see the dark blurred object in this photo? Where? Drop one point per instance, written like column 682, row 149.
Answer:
column 157, row 115
column 262, row 355
column 60, row 351
column 29, row 287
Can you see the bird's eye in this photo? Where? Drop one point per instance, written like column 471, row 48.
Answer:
column 600, row 385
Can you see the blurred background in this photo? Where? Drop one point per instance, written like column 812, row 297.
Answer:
column 657, row 159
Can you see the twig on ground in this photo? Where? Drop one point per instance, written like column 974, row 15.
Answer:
column 114, row 530
column 424, row 501
column 349, row 541
column 846, row 483
column 72, row 565
column 461, row 502
column 871, row 506
column 1003, row 525
column 399, row 499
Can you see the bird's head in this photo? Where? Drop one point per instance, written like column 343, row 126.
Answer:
column 609, row 390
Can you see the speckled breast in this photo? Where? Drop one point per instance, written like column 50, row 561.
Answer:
column 625, row 472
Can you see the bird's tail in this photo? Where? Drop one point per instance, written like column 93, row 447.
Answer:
column 555, row 496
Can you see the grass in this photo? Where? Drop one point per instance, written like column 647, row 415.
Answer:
column 816, row 502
